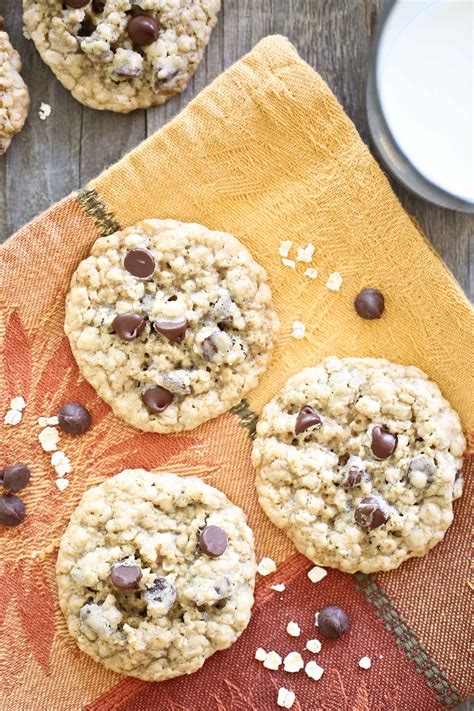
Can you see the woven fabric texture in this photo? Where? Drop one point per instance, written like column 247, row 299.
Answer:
column 267, row 153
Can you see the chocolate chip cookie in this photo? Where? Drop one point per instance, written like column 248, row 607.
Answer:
column 121, row 55
column 171, row 323
column 358, row 461
column 14, row 96
column 155, row 573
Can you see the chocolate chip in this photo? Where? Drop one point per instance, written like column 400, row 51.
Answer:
column 87, row 28
column 213, row 541
column 209, row 348
column 157, row 399
column 371, row 512
column 458, row 474
column 74, row 418
column 16, row 477
column 353, row 476
column 384, row 442
column 172, row 330
column 12, row 510
column 307, row 417
column 76, row 4
column 333, row 622
column 162, row 592
column 142, row 30
column 126, row 577
column 98, row 6
column 139, row 262
column 369, row 304
column 128, row 326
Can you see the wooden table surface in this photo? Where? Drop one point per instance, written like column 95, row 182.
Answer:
column 51, row 158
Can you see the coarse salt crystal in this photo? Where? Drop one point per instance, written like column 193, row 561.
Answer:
column 334, row 281
column 12, row 417
column 316, row 574
column 298, row 330
column 272, row 661
column 260, row 654
column 49, row 438
column 293, row 629
column 311, row 273
column 286, row 698
column 289, row 263
column 305, row 254
column 62, row 484
column 18, row 403
column 285, row 247
column 313, row 645
column 314, row 671
column 293, row 662
column 44, row 111
column 266, row 566
column 279, row 587
column 365, row 663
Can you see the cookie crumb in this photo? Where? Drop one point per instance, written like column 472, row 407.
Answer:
column 286, row 698
column 266, row 566
column 284, row 248
column 279, row 587
column 272, row 661
column 314, row 671
column 62, row 484
column 44, row 111
column 289, row 263
column 49, row 438
column 12, row 417
column 313, row 645
column 305, row 254
column 298, row 330
column 18, row 403
column 316, row 574
column 293, row 629
column 293, row 662
column 365, row 663
column 311, row 273
column 260, row 654
column 334, row 281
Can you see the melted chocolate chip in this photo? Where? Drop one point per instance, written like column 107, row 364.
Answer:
column 126, row 577
column 139, row 263
column 371, row 512
column 128, row 326
column 307, row 417
column 87, row 28
column 162, row 592
column 384, row 442
column 209, row 348
column 142, row 30
column 333, row 622
column 353, row 477
column 74, row 418
column 172, row 330
column 369, row 304
column 16, row 477
column 212, row 541
column 157, row 399
column 12, row 510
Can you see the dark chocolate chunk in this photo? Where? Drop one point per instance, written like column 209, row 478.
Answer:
column 172, row 330
column 74, row 418
column 16, row 477
column 128, row 326
column 333, row 622
column 212, row 541
column 126, row 577
column 12, row 510
column 307, row 417
column 384, row 442
column 369, row 304
column 371, row 512
column 140, row 263
column 157, row 399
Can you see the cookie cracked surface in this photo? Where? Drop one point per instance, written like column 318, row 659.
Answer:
column 121, row 55
column 14, row 95
column 170, row 322
column 358, row 461
column 137, row 589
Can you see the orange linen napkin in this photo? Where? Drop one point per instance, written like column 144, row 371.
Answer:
column 267, row 153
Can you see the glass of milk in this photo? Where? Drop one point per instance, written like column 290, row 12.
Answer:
column 420, row 98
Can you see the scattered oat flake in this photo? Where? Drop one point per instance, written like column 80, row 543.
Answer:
column 293, row 629
column 44, row 111
column 42, row 421
column 298, row 330
column 279, row 587
column 316, row 574
column 49, row 438
column 18, row 403
column 260, row 654
column 62, row 484
column 311, row 273
column 313, row 645
column 314, row 671
column 285, row 247
column 289, row 263
column 266, row 566
column 293, row 662
column 316, row 618
column 305, row 254
column 365, row 663
column 272, row 661
column 12, row 417
column 286, row 698
column 334, row 281
column 52, row 420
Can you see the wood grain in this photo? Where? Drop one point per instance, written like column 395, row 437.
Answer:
column 51, row 158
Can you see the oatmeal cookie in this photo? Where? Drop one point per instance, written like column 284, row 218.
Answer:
column 121, row 55
column 358, row 461
column 155, row 573
column 14, row 96
column 170, row 322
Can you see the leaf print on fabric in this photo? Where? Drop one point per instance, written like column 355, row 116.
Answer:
column 16, row 357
